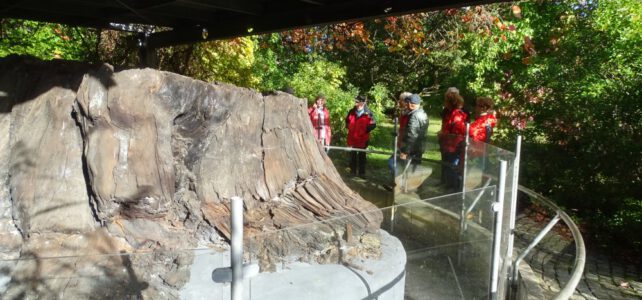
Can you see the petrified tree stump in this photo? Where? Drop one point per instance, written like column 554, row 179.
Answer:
column 146, row 159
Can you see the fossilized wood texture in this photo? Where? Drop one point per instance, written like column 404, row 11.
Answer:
column 150, row 159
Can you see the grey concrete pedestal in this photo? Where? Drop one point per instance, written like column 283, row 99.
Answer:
column 381, row 279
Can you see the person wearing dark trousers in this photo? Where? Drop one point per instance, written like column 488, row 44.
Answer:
column 359, row 121
column 451, row 137
column 413, row 139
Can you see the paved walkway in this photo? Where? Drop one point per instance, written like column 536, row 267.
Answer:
column 552, row 263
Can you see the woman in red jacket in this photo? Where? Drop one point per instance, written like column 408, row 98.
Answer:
column 480, row 132
column 360, row 121
column 482, row 128
column 453, row 131
column 320, row 118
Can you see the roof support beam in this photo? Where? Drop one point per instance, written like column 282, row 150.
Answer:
column 313, row 2
column 239, row 6
column 346, row 11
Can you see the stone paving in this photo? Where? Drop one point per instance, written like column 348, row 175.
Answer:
column 552, row 263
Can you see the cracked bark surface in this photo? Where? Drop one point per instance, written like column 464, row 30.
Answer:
column 145, row 159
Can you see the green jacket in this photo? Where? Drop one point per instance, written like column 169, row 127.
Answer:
column 413, row 140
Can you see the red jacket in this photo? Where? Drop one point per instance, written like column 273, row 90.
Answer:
column 321, row 128
column 359, row 127
column 453, row 130
column 403, row 122
column 482, row 128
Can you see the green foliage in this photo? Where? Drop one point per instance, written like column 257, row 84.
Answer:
column 320, row 76
column 570, row 71
column 275, row 63
column 229, row 61
column 46, row 40
column 565, row 74
column 624, row 225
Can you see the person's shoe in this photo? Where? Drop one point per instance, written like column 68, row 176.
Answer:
column 389, row 187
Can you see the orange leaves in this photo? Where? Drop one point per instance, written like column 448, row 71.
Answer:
column 528, row 46
column 451, row 11
column 497, row 22
column 58, row 31
column 406, row 34
column 327, row 38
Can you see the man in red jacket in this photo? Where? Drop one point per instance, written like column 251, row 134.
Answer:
column 320, row 118
column 360, row 121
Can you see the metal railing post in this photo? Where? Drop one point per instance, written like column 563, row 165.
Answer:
column 462, row 214
column 463, row 175
column 513, row 199
column 534, row 243
column 498, row 207
column 394, row 153
column 237, row 248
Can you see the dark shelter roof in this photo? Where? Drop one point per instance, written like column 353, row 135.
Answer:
column 187, row 20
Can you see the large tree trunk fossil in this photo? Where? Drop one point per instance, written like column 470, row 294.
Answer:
column 106, row 161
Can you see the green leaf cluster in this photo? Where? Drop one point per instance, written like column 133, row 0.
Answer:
column 566, row 74
column 46, row 41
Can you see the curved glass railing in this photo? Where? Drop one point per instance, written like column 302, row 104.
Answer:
column 431, row 243
column 419, row 250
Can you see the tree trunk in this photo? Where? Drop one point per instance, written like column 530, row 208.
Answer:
column 149, row 159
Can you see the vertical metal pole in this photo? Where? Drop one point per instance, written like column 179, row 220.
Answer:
column 394, row 153
column 513, row 198
column 320, row 128
column 462, row 213
column 237, row 248
column 463, row 175
column 498, row 207
column 393, row 209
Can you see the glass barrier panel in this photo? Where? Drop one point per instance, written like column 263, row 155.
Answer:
column 482, row 164
column 483, row 168
column 424, row 250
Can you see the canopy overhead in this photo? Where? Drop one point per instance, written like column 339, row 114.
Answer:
column 189, row 21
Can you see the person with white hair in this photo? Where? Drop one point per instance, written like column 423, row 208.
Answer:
column 402, row 107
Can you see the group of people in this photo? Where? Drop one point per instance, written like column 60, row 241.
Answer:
column 360, row 122
column 413, row 127
column 453, row 131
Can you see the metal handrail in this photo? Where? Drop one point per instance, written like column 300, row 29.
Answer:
column 580, row 248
